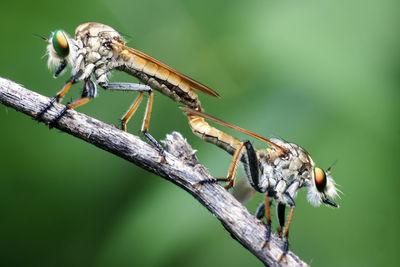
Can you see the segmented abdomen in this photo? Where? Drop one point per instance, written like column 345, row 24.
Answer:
column 212, row 135
column 158, row 78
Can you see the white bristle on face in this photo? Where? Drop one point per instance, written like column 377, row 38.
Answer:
column 54, row 60
column 315, row 197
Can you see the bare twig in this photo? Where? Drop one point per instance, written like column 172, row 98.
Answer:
column 182, row 168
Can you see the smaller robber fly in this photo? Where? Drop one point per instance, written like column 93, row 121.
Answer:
column 95, row 52
column 278, row 172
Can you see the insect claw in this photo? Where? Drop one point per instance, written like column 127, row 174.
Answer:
column 265, row 244
column 197, row 186
column 229, row 185
column 123, row 125
column 280, row 232
column 52, row 123
column 162, row 160
column 282, row 256
column 36, row 117
column 59, row 115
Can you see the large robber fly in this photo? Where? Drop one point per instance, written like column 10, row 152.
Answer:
column 278, row 172
column 95, row 52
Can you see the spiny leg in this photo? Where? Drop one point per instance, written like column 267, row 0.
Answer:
column 60, row 69
column 285, row 248
column 60, row 94
column 76, row 103
column 252, row 167
column 232, row 169
column 230, row 178
column 131, row 111
column 145, row 127
column 254, row 179
column 260, row 212
column 280, row 210
column 139, row 88
column 126, row 87
column 88, row 93
column 268, row 219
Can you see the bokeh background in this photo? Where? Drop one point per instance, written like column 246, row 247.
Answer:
column 322, row 74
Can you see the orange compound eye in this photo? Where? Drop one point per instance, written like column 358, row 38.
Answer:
column 320, row 179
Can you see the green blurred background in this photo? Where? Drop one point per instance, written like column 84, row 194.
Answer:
column 322, row 74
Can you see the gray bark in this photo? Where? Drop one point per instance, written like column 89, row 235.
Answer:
column 182, row 168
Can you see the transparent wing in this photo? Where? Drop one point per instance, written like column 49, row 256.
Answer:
column 243, row 191
column 194, row 84
column 237, row 128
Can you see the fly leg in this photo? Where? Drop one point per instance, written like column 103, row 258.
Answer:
column 89, row 91
column 253, row 175
column 252, row 167
column 268, row 219
column 126, row 87
column 60, row 69
column 131, row 111
column 141, row 89
column 145, row 127
column 280, row 210
column 285, row 235
column 60, row 94
column 264, row 210
column 230, row 178
column 260, row 212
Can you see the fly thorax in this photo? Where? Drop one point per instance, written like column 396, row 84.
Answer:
column 288, row 172
column 96, row 53
column 94, row 34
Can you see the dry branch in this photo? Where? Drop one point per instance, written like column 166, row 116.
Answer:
column 182, row 167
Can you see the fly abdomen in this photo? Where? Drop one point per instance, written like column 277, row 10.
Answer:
column 159, row 78
column 212, row 135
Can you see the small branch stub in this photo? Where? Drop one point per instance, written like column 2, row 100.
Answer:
column 182, row 168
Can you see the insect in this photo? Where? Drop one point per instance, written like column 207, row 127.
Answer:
column 95, row 52
column 278, row 171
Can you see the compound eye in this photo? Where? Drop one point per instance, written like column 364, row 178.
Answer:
column 320, row 179
column 60, row 43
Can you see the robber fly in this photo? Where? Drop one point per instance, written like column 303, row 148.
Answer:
column 95, row 52
column 278, row 171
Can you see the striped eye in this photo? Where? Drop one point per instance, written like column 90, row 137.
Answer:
column 320, row 179
column 60, row 43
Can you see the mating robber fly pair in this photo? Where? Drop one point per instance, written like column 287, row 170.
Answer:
column 278, row 171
